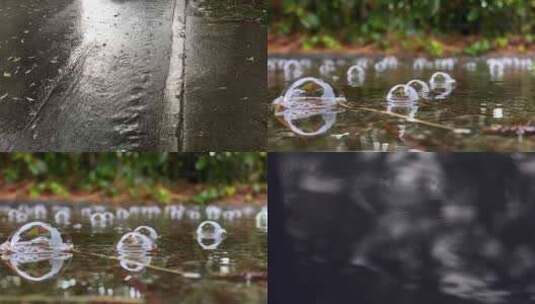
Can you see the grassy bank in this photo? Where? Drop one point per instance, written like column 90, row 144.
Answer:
column 434, row 27
column 134, row 177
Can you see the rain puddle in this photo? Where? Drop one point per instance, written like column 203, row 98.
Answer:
column 401, row 104
column 100, row 75
column 135, row 254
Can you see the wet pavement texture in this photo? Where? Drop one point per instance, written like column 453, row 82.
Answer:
column 100, row 75
column 229, row 270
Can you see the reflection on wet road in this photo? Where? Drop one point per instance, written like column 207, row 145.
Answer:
column 93, row 75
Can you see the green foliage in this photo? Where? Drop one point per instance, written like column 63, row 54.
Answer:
column 53, row 187
column 435, row 48
column 207, row 195
column 370, row 20
column 137, row 172
column 227, row 167
column 326, row 41
column 162, row 195
column 501, row 42
column 478, row 47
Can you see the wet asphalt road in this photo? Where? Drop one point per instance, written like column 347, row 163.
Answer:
column 105, row 75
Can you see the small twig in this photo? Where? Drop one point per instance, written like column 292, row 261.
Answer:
column 407, row 118
column 254, row 276
column 103, row 256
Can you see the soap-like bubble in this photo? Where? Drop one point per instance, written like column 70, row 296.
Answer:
column 134, row 249
column 210, row 235
column 39, row 212
column 402, row 93
column 63, row 217
column 387, row 63
column 441, row 79
column 148, row 231
column 194, row 214
column 327, row 68
column 305, row 99
column 445, row 63
column 231, row 215
column 442, row 85
column 363, row 62
column 420, row 87
column 248, row 210
column 421, row 64
column 209, row 228
column 309, row 92
column 175, row 212
column 18, row 261
column 213, row 212
column 17, row 216
column 470, row 66
column 356, row 76
column 380, row 66
column 86, row 212
column 292, row 70
column 496, row 69
column 102, row 219
column 150, row 211
column 24, row 240
column 135, row 242
column 122, row 214
column 443, row 92
column 328, row 117
column 262, row 220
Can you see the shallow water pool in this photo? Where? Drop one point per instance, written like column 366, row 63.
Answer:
column 490, row 108
column 180, row 270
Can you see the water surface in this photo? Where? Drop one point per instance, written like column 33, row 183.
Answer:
column 233, row 272
column 496, row 108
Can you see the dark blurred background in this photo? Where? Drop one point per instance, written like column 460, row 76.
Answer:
column 401, row 228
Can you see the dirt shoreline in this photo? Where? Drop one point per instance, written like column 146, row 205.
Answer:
column 183, row 194
column 453, row 46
